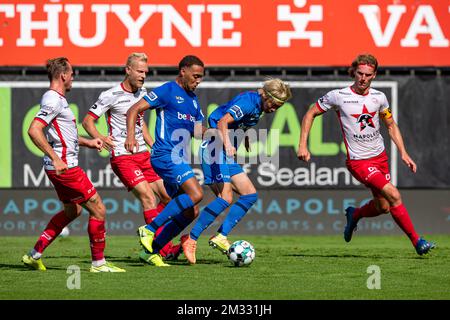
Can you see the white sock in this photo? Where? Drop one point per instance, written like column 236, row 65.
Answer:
column 98, row 263
column 35, row 255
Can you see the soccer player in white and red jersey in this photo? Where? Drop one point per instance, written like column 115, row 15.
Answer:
column 359, row 109
column 133, row 169
column 54, row 132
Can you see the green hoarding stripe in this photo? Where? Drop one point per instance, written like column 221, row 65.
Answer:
column 5, row 136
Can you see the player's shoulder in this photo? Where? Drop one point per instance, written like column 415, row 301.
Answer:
column 375, row 92
column 51, row 97
column 343, row 92
column 110, row 95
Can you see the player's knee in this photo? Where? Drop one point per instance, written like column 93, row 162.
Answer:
column 97, row 207
column 249, row 199
column 196, row 212
column 384, row 208
column 227, row 196
column 196, row 195
column 396, row 198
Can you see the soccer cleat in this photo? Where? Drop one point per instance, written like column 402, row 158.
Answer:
column 189, row 247
column 152, row 258
column 174, row 253
column 220, row 242
column 106, row 267
column 350, row 227
column 33, row 263
column 423, row 246
column 146, row 238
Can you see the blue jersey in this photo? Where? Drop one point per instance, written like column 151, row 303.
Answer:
column 245, row 108
column 175, row 109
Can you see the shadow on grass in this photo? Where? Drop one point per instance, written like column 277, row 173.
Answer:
column 21, row 267
column 353, row 256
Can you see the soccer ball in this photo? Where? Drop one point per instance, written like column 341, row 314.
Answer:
column 64, row 232
column 241, row 253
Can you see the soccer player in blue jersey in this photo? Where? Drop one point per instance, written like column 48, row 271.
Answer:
column 221, row 171
column 179, row 117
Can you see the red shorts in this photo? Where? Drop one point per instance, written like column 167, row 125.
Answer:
column 373, row 172
column 133, row 169
column 73, row 186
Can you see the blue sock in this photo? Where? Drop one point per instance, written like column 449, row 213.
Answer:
column 207, row 216
column 170, row 231
column 237, row 212
column 173, row 208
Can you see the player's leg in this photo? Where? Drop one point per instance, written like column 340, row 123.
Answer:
column 97, row 235
column 224, row 196
column 169, row 251
column 401, row 217
column 374, row 174
column 242, row 184
column 52, row 230
column 144, row 193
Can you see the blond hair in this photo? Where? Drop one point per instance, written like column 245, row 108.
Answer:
column 277, row 90
column 140, row 56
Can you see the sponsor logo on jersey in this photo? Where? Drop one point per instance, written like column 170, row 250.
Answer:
column 184, row 116
column 351, row 101
column 179, row 99
column 152, row 96
column 237, row 111
column 364, row 118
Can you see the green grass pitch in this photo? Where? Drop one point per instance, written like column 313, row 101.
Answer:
column 285, row 268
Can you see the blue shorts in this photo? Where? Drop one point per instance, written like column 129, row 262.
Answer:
column 173, row 175
column 217, row 169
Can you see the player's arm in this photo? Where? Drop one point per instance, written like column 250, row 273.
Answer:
column 396, row 136
column 90, row 127
column 36, row 133
column 95, row 143
column 222, row 125
column 131, row 143
column 307, row 122
column 147, row 137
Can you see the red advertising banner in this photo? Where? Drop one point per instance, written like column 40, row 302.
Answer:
column 226, row 32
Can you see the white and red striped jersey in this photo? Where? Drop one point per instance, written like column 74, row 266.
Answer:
column 61, row 128
column 115, row 102
column 359, row 117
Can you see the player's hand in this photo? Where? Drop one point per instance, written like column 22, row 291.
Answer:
column 303, row 154
column 60, row 166
column 230, row 150
column 131, row 144
column 409, row 162
column 96, row 143
column 108, row 143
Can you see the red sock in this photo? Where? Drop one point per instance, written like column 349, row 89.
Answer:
column 96, row 231
column 53, row 229
column 366, row 211
column 168, row 248
column 401, row 217
column 149, row 215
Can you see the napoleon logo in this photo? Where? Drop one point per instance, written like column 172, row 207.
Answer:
column 364, row 118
